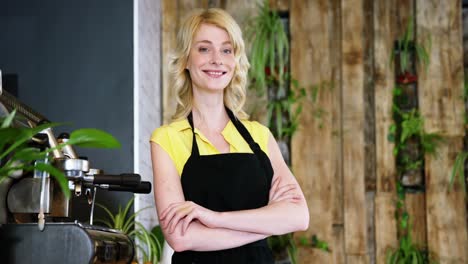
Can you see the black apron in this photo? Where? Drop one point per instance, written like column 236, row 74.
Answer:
column 228, row 182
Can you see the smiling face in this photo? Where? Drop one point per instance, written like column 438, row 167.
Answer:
column 211, row 61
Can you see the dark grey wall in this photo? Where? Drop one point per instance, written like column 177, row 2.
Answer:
column 74, row 61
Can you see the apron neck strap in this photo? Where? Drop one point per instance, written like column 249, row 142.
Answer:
column 194, row 141
column 239, row 126
column 243, row 131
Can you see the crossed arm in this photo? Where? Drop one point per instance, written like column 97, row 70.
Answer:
column 186, row 225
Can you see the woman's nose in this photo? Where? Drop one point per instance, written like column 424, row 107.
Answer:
column 216, row 58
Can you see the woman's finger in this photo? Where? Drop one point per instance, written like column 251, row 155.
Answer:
column 168, row 209
column 171, row 212
column 181, row 213
column 187, row 220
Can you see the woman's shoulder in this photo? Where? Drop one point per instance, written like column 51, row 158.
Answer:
column 165, row 132
column 255, row 126
column 259, row 132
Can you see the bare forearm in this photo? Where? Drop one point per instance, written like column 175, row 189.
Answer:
column 274, row 219
column 201, row 238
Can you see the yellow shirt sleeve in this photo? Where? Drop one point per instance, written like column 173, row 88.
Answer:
column 176, row 140
column 174, row 143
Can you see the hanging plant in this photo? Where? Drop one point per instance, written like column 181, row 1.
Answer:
column 269, row 50
column 406, row 51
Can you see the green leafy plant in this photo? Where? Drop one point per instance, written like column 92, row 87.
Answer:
column 284, row 243
column 315, row 242
column 410, row 139
column 407, row 252
column 283, row 112
column 125, row 222
column 17, row 156
column 409, row 125
column 269, row 73
column 405, row 46
column 317, row 111
column 458, row 170
column 269, row 51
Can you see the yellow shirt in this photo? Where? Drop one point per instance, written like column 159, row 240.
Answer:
column 176, row 140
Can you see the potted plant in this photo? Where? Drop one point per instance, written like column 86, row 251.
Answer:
column 148, row 242
column 407, row 51
column 269, row 51
column 16, row 156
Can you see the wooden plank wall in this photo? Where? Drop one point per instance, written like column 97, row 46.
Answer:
column 312, row 147
column 385, row 224
column 337, row 245
column 330, row 42
column 355, row 226
column 441, row 106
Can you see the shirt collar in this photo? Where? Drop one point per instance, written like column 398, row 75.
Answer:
column 181, row 125
column 228, row 131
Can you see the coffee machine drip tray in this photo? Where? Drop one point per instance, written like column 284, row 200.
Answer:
column 63, row 243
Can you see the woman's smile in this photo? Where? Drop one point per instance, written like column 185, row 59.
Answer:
column 214, row 73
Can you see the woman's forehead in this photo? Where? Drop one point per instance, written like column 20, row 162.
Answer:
column 212, row 34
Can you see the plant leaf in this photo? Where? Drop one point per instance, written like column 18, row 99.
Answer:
column 8, row 119
column 23, row 135
column 57, row 174
column 94, row 138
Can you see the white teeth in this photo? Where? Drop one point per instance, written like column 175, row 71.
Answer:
column 215, row 73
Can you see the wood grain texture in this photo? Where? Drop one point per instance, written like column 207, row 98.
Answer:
column 280, row 5
column 384, row 83
column 446, row 213
column 369, row 97
column 337, row 248
column 403, row 11
column 415, row 204
column 357, row 259
column 312, row 146
column 353, row 128
column 169, row 32
column 335, row 60
column 441, row 87
column 385, row 223
column 385, row 229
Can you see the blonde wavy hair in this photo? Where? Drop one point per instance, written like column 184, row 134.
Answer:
column 235, row 92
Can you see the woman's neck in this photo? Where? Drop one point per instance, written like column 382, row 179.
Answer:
column 209, row 113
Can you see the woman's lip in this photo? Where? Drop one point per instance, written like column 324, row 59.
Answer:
column 214, row 74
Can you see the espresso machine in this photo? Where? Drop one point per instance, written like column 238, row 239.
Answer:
column 35, row 223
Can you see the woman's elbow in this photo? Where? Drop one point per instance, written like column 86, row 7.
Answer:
column 177, row 242
column 303, row 224
column 177, row 246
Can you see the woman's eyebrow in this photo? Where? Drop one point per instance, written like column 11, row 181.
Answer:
column 209, row 42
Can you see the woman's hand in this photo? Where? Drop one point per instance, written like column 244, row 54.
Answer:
column 184, row 213
column 288, row 192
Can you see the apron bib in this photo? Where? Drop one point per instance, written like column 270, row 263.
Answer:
column 228, row 182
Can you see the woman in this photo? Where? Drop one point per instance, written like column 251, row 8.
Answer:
column 221, row 184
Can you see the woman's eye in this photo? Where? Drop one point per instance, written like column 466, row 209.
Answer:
column 202, row 49
column 227, row 51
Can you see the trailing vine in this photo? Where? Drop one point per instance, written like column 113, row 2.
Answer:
column 411, row 142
